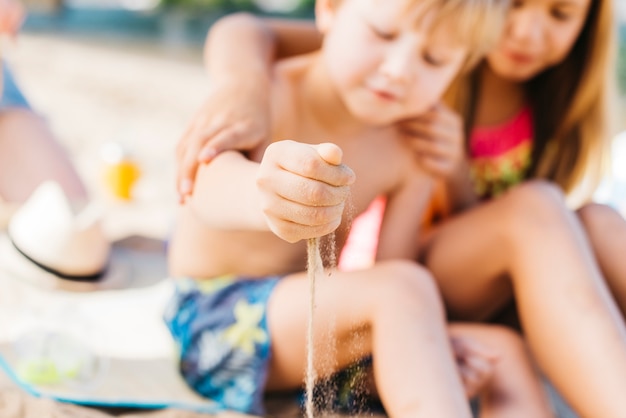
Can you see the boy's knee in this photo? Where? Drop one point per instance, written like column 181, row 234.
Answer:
column 407, row 283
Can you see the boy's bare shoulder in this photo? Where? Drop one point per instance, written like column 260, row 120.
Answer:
column 287, row 77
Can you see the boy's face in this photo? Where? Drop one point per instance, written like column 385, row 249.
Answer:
column 386, row 67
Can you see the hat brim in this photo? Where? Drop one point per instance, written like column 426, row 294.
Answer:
column 134, row 262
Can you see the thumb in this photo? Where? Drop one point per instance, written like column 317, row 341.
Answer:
column 330, row 153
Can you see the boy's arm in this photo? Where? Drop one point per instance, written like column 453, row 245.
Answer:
column 403, row 216
column 235, row 116
column 298, row 191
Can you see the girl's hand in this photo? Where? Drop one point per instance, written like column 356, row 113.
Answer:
column 438, row 140
column 234, row 117
column 475, row 362
column 304, row 188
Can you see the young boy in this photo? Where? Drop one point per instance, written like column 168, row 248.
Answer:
column 241, row 310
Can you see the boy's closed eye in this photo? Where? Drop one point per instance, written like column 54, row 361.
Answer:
column 386, row 35
column 436, row 60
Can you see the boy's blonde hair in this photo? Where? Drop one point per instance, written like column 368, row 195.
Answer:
column 477, row 24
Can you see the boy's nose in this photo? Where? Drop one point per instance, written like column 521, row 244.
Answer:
column 399, row 64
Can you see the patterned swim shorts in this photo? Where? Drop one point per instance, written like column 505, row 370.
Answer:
column 220, row 326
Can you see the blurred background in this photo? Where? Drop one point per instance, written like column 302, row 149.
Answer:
column 130, row 72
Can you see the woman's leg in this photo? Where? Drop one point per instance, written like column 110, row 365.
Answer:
column 391, row 311
column 29, row 155
column 528, row 243
column 606, row 230
column 514, row 389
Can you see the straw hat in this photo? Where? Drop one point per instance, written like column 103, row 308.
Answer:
column 52, row 244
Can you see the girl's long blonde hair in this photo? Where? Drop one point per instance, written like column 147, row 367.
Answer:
column 571, row 105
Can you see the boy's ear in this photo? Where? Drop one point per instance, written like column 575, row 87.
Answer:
column 324, row 14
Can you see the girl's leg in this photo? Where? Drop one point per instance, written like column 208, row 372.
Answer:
column 29, row 155
column 606, row 230
column 529, row 243
column 514, row 389
column 391, row 311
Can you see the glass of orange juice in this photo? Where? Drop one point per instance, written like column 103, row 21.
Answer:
column 121, row 171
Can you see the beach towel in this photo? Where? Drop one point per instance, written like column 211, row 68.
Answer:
column 105, row 348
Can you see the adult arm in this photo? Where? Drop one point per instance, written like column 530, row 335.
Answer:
column 235, row 115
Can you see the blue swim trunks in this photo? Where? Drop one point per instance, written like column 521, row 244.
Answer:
column 11, row 97
column 220, row 326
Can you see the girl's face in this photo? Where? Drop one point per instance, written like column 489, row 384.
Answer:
column 538, row 34
column 385, row 67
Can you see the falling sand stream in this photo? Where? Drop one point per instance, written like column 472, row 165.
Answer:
column 315, row 269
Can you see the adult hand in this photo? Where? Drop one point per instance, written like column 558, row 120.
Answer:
column 234, row 117
column 304, row 188
column 438, row 139
column 475, row 363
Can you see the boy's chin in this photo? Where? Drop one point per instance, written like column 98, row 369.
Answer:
column 374, row 118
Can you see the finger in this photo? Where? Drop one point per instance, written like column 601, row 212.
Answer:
column 220, row 141
column 436, row 166
column 189, row 165
column 331, row 153
column 303, row 190
column 482, row 366
column 471, row 382
column 435, row 149
column 475, row 348
column 436, row 132
column 324, row 217
column 292, row 232
column 307, row 162
column 235, row 137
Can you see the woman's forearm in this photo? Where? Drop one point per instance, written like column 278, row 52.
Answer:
column 258, row 42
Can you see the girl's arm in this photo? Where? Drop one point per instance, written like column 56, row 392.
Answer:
column 404, row 212
column 235, row 115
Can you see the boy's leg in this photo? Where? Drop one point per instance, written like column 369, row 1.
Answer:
column 528, row 242
column 514, row 390
column 392, row 311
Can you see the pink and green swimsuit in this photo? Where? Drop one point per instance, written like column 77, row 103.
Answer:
column 501, row 155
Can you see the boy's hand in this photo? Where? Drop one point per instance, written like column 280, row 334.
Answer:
column 475, row 362
column 234, row 117
column 304, row 188
column 438, row 139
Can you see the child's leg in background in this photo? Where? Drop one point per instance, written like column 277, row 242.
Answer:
column 606, row 229
column 29, row 155
column 513, row 387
